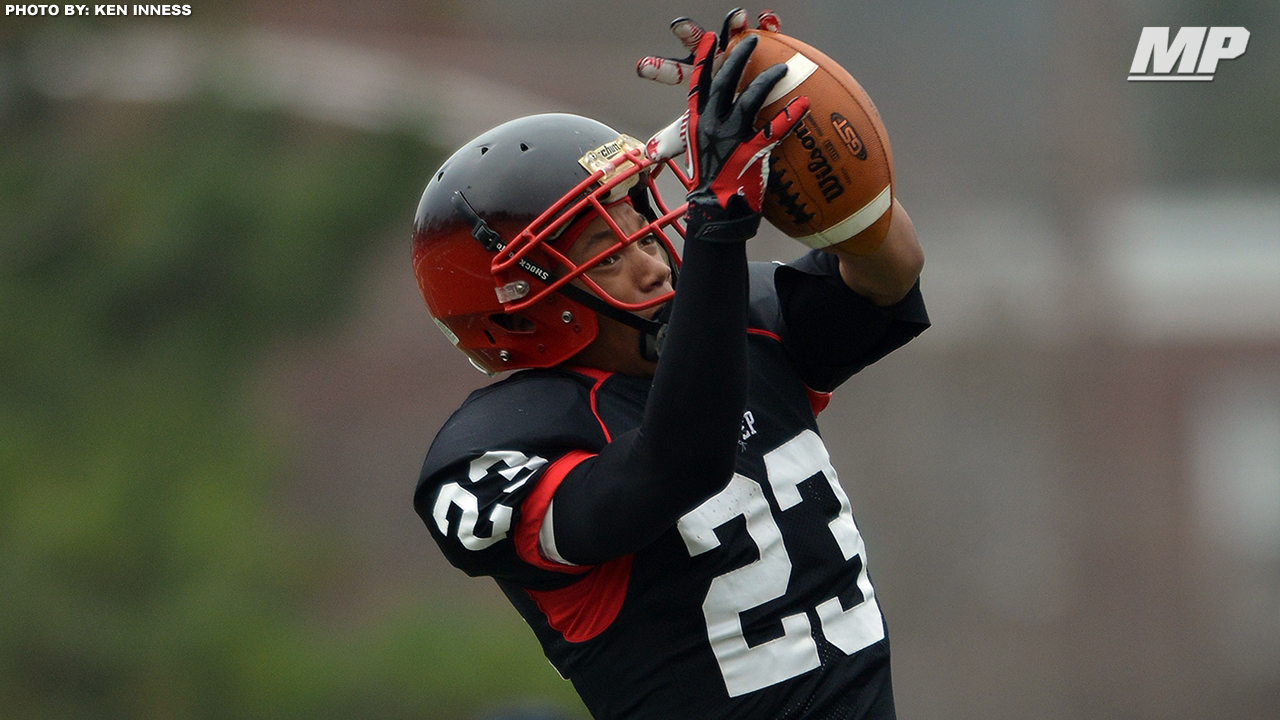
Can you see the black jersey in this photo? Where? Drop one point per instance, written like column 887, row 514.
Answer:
column 757, row 603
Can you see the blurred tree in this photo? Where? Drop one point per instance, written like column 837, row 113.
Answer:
column 146, row 254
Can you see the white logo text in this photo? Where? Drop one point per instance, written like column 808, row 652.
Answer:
column 1196, row 51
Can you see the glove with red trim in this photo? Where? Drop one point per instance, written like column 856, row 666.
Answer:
column 674, row 71
column 729, row 158
column 668, row 142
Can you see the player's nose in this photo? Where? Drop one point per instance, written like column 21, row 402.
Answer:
column 654, row 274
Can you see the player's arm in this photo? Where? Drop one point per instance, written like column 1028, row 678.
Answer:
column 841, row 312
column 685, row 448
column 885, row 276
column 642, row 481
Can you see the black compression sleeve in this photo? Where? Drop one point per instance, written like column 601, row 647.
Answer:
column 831, row 332
column 686, row 446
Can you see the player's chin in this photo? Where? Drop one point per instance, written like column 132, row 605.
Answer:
column 657, row 311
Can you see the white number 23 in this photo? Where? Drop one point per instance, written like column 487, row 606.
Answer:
column 747, row 668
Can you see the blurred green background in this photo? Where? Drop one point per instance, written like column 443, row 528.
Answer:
column 150, row 566
column 217, row 380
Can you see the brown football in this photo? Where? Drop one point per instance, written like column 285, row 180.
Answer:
column 831, row 179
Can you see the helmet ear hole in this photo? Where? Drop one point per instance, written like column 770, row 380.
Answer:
column 512, row 323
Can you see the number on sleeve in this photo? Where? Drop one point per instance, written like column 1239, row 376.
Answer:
column 506, row 466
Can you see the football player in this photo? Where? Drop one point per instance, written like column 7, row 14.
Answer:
column 650, row 488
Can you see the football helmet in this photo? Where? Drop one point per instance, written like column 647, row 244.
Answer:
column 490, row 238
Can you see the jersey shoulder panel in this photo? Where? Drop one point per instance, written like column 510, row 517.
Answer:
column 535, row 409
column 489, row 457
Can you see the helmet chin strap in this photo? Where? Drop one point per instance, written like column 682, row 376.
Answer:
column 651, row 343
column 652, row 331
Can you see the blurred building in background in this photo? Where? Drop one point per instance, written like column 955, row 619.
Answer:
column 1069, row 486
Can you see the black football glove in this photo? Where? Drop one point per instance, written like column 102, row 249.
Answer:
column 728, row 157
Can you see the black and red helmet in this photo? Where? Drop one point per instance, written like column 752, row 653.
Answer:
column 489, row 241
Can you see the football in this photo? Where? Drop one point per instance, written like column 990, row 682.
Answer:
column 830, row 180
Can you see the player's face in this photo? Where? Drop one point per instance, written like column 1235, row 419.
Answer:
column 637, row 273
